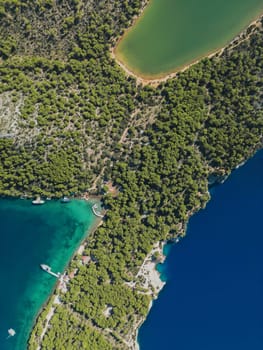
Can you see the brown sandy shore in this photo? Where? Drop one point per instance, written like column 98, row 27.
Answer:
column 162, row 77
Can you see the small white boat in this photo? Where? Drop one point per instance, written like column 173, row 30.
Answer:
column 65, row 200
column 45, row 267
column 38, row 201
column 11, row 333
column 48, row 270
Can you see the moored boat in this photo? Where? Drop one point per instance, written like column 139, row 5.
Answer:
column 45, row 267
column 38, row 201
column 48, row 270
column 65, row 200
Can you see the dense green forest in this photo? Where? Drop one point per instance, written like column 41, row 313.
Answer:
column 71, row 122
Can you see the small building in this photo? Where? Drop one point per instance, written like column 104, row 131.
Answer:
column 85, row 259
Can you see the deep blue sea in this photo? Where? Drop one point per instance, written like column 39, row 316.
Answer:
column 31, row 235
column 213, row 299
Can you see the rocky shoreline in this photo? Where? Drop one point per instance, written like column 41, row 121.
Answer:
column 148, row 279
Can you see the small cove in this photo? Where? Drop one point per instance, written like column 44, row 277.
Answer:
column 31, row 235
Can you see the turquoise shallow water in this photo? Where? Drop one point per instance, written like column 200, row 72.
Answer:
column 31, row 235
column 213, row 296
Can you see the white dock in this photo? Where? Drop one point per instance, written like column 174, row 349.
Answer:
column 48, row 270
column 95, row 211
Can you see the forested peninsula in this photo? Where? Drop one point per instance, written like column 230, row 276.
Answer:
column 72, row 122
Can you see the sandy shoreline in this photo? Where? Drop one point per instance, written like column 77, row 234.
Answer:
column 162, row 77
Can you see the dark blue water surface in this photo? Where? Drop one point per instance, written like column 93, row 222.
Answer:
column 213, row 298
